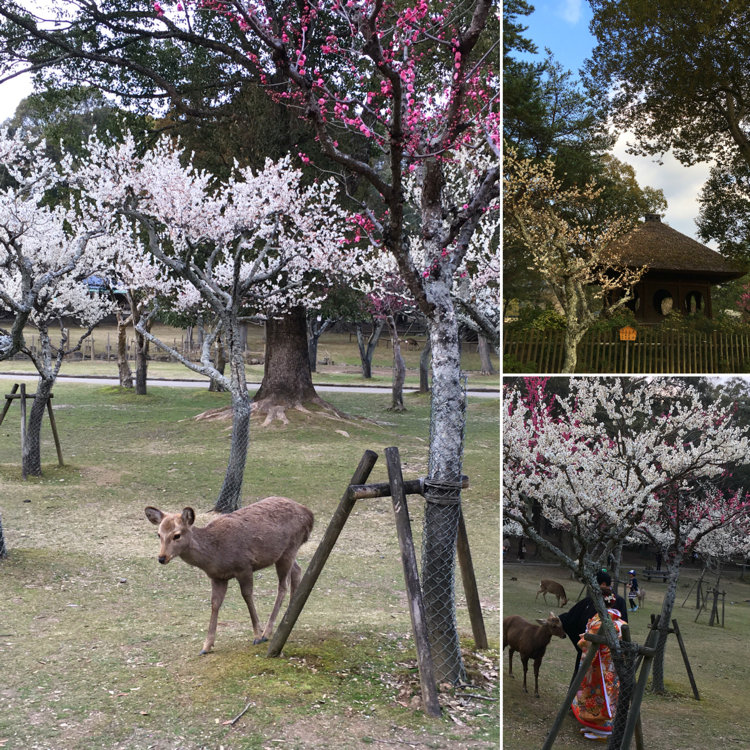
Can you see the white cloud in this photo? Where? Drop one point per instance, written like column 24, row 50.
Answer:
column 571, row 11
column 681, row 185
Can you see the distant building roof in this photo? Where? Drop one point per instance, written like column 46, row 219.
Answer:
column 661, row 248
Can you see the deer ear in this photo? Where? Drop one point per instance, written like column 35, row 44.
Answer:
column 188, row 516
column 154, row 515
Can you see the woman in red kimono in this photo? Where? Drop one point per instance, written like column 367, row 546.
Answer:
column 596, row 699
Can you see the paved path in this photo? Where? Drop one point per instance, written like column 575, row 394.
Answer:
column 26, row 377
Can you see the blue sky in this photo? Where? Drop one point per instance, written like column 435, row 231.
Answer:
column 563, row 27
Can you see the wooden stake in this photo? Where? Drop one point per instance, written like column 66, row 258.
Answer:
column 470, row 585
column 23, row 429
column 8, row 402
column 413, row 588
column 54, row 431
column 685, row 659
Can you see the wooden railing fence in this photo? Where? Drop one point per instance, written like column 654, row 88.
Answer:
column 653, row 351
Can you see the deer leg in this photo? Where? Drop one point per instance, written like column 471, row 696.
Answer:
column 510, row 661
column 295, row 577
column 525, row 663
column 246, row 587
column 537, row 664
column 283, row 571
column 218, row 592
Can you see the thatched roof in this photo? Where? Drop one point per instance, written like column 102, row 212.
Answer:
column 661, row 248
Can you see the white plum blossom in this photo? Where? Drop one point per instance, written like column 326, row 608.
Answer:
column 49, row 245
column 260, row 240
column 598, row 484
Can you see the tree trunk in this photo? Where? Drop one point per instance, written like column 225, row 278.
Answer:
column 123, row 366
column 316, row 327
column 230, row 496
column 31, row 452
column 657, row 679
column 287, row 380
column 399, row 369
column 442, row 488
column 141, row 348
column 220, row 362
column 625, row 663
column 571, row 353
column 424, row 367
column 366, row 350
column 484, row 355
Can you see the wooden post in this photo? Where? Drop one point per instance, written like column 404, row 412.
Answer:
column 413, row 588
column 633, row 723
column 53, row 425
column 383, row 489
column 683, row 650
column 23, row 429
column 469, row 581
column 583, row 667
column 8, row 402
column 335, row 525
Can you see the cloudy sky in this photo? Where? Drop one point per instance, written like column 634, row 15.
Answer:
column 563, row 27
column 11, row 93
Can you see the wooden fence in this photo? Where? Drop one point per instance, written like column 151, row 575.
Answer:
column 104, row 347
column 653, row 351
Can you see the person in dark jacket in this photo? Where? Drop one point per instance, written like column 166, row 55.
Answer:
column 575, row 619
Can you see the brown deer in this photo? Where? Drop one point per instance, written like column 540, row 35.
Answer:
column 234, row 546
column 530, row 640
column 548, row 586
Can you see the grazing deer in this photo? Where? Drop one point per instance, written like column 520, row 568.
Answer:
column 548, row 586
column 234, row 546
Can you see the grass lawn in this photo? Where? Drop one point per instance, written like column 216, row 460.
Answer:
column 675, row 721
column 99, row 643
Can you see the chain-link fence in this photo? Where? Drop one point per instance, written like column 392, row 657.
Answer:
column 442, row 512
column 230, row 495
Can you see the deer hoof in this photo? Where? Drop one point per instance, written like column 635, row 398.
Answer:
column 204, row 651
column 256, row 641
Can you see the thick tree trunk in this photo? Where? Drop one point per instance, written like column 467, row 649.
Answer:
column 287, row 380
column 442, row 488
column 399, row 369
column 123, row 366
column 424, row 367
column 31, row 452
column 367, row 349
column 484, row 356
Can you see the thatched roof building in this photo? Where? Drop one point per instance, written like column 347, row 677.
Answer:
column 680, row 271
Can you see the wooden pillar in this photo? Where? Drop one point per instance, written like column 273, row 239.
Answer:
column 413, row 587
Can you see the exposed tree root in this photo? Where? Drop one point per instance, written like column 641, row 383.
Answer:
column 274, row 410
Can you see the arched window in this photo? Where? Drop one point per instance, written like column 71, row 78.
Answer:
column 694, row 302
column 663, row 302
